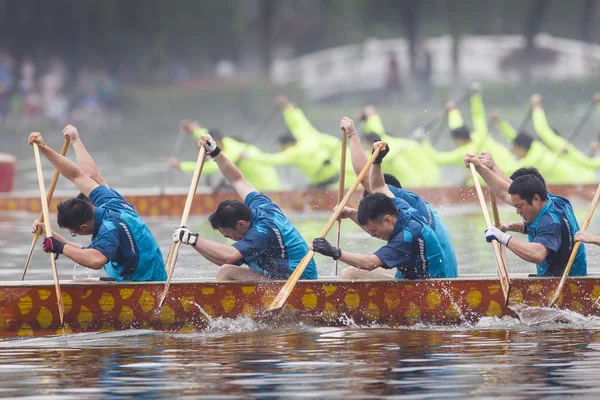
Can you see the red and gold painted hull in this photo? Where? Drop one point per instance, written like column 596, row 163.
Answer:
column 300, row 201
column 30, row 309
column 8, row 172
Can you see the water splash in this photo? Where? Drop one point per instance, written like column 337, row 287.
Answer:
column 224, row 326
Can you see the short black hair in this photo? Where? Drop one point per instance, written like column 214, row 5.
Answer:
column 286, row 138
column 216, row 134
column 392, row 180
column 523, row 140
column 73, row 213
column 462, row 132
column 528, row 171
column 82, row 196
column 372, row 137
column 228, row 213
column 374, row 206
column 527, row 186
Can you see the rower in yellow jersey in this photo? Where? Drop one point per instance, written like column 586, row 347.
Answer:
column 263, row 177
column 584, row 166
column 408, row 159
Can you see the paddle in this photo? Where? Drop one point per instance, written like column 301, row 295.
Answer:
column 37, row 233
column 341, row 189
column 173, row 251
column 444, row 118
column 174, row 154
column 584, row 119
column 257, row 135
column 500, row 265
column 525, row 120
column 48, row 228
column 286, row 290
column 586, row 223
column 497, row 223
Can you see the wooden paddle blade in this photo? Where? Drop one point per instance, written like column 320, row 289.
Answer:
column 584, row 227
column 59, row 299
column 286, row 290
column 36, row 236
column 170, row 266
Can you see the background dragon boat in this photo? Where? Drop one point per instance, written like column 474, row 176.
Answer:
column 30, row 308
column 149, row 202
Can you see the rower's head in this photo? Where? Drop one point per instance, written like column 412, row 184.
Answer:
column 378, row 215
column 461, row 135
column 286, row 140
column 217, row 135
column 232, row 218
column 529, row 196
column 528, row 171
column 77, row 216
column 521, row 145
column 389, row 180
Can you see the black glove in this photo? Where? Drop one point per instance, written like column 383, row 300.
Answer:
column 51, row 245
column 322, row 246
column 382, row 153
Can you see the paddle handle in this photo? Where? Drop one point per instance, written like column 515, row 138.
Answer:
column 286, row 290
column 500, row 262
column 38, row 231
column 48, row 228
column 497, row 223
column 173, row 251
column 584, row 227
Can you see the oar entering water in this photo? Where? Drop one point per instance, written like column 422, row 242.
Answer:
column 48, row 229
column 37, row 233
column 586, row 223
column 500, row 265
column 341, row 189
column 286, row 290
column 173, row 251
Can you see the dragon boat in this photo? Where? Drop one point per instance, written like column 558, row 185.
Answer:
column 150, row 202
column 30, row 308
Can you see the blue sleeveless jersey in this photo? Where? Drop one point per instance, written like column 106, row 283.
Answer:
column 429, row 215
column 555, row 228
column 413, row 249
column 272, row 245
column 123, row 237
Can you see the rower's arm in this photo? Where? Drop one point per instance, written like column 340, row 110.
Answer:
column 298, row 125
column 198, row 132
column 377, row 181
column 66, row 168
column 217, row 253
column 507, row 130
column 89, row 258
column 496, row 183
column 528, row 251
column 455, row 119
column 289, row 156
column 358, row 158
column 84, row 159
column 233, row 175
column 367, row 262
column 545, row 132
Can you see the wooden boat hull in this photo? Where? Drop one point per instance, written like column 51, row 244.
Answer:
column 30, row 309
column 300, row 201
column 8, row 172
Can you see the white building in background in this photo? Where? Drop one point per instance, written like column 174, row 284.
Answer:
column 363, row 67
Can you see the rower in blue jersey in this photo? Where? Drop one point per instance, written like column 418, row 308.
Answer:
column 121, row 241
column 412, row 248
column 548, row 220
column 266, row 241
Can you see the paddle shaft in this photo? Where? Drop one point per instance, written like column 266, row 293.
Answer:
column 286, row 290
column 442, row 121
column 525, row 120
column 341, row 190
column 174, row 154
column 584, row 119
column 497, row 222
column 38, row 232
column 174, row 250
column 48, row 229
column 500, row 266
column 584, row 227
